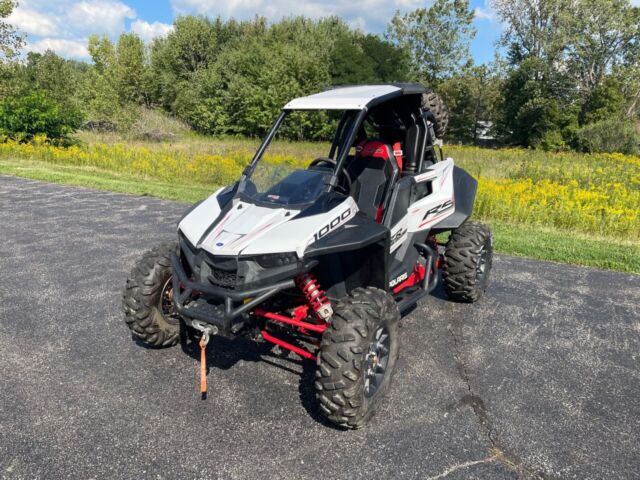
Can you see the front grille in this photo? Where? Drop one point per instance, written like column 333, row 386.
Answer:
column 223, row 278
column 220, row 271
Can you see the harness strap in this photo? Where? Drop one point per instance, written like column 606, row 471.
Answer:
column 397, row 153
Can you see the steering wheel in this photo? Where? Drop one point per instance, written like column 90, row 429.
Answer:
column 330, row 162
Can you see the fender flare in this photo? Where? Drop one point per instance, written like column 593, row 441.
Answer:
column 464, row 195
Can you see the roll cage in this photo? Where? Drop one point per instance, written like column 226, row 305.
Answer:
column 389, row 110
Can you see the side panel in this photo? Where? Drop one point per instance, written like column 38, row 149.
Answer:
column 464, row 187
column 437, row 205
column 354, row 256
column 354, row 235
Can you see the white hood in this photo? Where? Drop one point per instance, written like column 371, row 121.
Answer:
column 252, row 230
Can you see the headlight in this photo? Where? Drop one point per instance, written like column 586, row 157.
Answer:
column 276, row 259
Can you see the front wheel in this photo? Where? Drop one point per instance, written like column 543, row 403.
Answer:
column 357, row 357
column 148, row 299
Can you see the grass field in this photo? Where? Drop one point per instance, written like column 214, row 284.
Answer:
column 567, row 207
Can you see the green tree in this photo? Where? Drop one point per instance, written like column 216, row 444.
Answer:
column 538, row 107
column 472, row 97
column 535, row 28
column 102, row 52
column 59, row 78
column 244, row 91
column 435, row 38
column 390, row 63
column 192, row 46
column 104, row 104
column 606, row 101
column 349, row 64
column 603, row 34
column 130, row 70
column 25, row 116
column 10, row 40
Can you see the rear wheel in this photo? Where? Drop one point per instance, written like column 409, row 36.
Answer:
column 148, row 299
column 357, row 357
column 468, row 259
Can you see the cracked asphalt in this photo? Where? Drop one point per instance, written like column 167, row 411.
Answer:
column 541, row 379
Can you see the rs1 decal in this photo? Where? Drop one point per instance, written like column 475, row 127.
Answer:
column 332, row 225
column 438, row 209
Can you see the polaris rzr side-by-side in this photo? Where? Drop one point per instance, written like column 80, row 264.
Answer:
column 323, row 260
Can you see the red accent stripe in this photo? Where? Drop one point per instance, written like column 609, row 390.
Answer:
column 244, row 238
column 217, row 230
column 379, row 213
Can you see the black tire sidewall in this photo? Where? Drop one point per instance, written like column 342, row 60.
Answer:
column 462, row 257
column 340, row 376
column 142, row 298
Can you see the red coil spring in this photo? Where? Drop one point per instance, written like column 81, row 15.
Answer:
column 312, row 291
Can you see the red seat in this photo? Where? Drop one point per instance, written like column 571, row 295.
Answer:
column 377, row 149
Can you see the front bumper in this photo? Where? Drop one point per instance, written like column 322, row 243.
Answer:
column 217, row 306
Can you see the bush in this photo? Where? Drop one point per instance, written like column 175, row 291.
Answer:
column 610, row 135
column 24, row 117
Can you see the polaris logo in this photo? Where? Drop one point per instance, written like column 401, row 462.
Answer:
column 398, row 279
column 438, row 209
column 332, row 225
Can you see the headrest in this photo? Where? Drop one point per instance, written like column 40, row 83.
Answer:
column 373, row 148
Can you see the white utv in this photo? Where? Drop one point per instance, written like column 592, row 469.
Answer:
column 323, row 260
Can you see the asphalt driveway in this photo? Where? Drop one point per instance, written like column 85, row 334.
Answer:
column 541, row 379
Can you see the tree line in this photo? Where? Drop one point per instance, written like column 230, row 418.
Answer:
column 566, row 73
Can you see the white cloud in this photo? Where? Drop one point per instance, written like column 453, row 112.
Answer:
column 487, row 12
column 32, row 22
column 64, row 25
column 64, row 47
column 100, row 16
column 358, row 23
column 148, row 31
column 370, row 15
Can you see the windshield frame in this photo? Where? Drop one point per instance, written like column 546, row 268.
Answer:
column 343, row 140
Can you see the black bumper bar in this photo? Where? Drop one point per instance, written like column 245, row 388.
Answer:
column 228, row 305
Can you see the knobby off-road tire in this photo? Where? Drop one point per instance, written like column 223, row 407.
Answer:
column 362, row 322
column 468, row 258
column 432, row 102
column 147, row 298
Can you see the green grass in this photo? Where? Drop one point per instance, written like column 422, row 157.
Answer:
column 526, row 241
column 566, row 247
column 92, row 177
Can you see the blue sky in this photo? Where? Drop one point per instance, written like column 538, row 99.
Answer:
column 64, row 25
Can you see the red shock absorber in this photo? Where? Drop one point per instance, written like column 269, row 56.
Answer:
column 316, row 297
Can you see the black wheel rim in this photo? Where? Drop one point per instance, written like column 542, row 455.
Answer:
column 166, row 299
column 481, row 267
column 376, row 361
